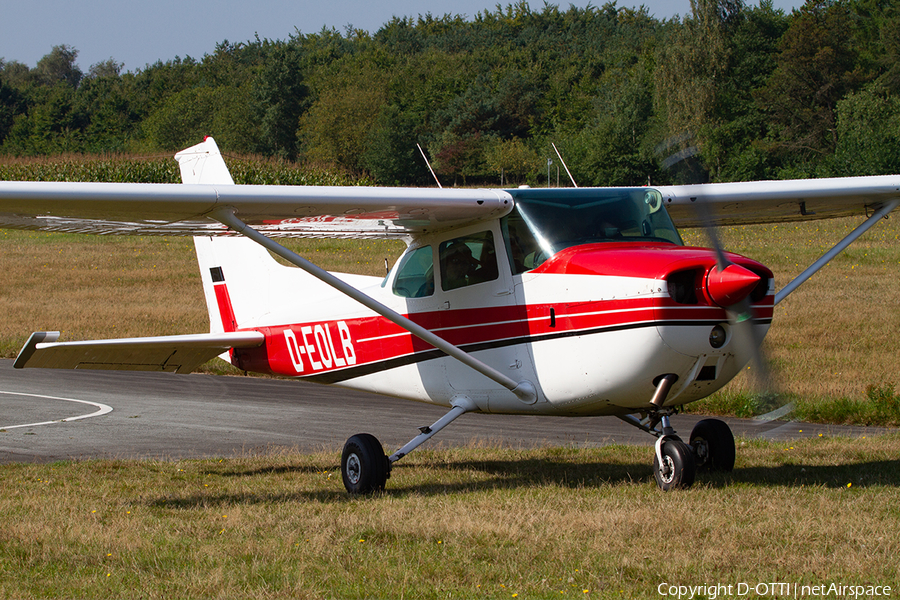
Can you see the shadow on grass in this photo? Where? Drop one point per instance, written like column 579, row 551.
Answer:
column 469, row 476
column 859, row 474
column 262, row 471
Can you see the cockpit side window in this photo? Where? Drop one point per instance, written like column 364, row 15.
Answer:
column 415, row 275
column 522, row 247
column 468, row 260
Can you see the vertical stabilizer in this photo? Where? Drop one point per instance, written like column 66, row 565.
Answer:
column 235, row 271
column 203, row 163
column 244, row 286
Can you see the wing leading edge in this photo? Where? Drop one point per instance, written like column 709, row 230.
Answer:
column 746, row 203
column 173, row 354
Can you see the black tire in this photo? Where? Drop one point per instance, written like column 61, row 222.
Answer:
column 364, row 467
column 678, row 468
column 713, row 446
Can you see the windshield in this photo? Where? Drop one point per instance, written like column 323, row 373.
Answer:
column 546, row 221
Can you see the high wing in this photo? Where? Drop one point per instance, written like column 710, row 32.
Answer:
column 277, row 211
column 752, row 202
column 311, row 211
column 317, row 211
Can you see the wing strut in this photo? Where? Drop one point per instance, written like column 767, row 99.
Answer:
column 838, row 248
column 524, row 389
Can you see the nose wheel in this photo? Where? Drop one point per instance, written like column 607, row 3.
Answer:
column 713, row 445
column 674, row 465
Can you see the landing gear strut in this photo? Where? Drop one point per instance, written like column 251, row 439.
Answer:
column 675, row 463
column 365, row 468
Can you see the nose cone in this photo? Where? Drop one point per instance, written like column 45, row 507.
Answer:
column 731, row 285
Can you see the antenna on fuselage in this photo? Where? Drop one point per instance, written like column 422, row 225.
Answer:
column 429, row 166
column 569, row 173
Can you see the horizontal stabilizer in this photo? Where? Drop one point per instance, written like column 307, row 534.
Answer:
column 173, row 354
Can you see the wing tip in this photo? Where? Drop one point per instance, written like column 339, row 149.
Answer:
column 30, row 346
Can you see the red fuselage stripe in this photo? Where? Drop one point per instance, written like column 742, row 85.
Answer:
column 313, row 348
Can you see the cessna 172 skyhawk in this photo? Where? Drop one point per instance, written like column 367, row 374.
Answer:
column 569, row 302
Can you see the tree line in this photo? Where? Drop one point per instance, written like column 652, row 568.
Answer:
column 727, row 92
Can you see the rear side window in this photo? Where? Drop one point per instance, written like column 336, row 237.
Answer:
column 468, row 260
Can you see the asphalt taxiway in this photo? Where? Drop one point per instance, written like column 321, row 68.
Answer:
column 48, row 415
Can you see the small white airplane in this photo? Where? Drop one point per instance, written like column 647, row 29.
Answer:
column 567, row 302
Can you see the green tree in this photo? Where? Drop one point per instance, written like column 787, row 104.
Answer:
column 281, row 95
column 16, row 75
column 691, row 65
column 152, row 86
column 817, row 67
column 733, row 148
column 391, row 155
column 512, row 160
column 11, row 104
column 106, row 102
column 868, row 132
column 109, row 68
column 51, row 125
column 337, row 126
column 59, row 66
column 461, row 157
column 186, row 118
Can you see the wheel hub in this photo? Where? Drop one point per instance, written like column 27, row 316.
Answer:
column 353, row 469
column 667, row 469
column 701, row 451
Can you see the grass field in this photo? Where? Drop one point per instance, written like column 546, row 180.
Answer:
column 458, row 523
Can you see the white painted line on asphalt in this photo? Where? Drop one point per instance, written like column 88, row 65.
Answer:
column 102, row 410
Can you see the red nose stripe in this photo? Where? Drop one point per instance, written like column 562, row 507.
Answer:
column 731, row 285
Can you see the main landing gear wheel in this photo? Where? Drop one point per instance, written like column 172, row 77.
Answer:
column 713, row 445
column 364, row 466
column 677, row 469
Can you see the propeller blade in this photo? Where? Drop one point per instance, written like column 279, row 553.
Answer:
column 709, row 227
column 729, row 285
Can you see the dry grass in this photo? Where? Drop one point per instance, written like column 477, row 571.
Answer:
column 489, row 522
column 87, row 286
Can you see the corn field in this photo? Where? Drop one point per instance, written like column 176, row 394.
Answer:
column 164, row 169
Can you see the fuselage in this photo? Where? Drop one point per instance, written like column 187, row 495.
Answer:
column 592, row 318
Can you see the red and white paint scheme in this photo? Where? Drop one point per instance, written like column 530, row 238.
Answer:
column 570, row 302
